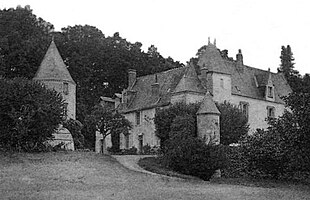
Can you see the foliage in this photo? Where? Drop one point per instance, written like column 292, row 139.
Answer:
column 164, row 119
column 75, row 128
column 131, row 151
column 281, row 151
column 23, row 41
column 192, row 156
column 233, row 123
column 108, row 122
column 287, row 62
column 30, row 113
column 182, row 150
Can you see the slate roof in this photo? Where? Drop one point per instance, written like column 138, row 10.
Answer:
column 243, row 82
column 52, row 67
column 212, row 60
column 143, row 98
column 208, row 106
column 190, row 82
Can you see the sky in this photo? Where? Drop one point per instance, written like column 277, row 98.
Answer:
column 178, row 28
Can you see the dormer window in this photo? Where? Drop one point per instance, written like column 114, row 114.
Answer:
column 270, row 91
column 65, row 88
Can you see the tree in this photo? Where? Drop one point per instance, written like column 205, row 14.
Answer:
column 23, row 41
column 233, row 123
column 164, row 119
column 75, row 128
column 287, row 68
column 30, row 114
column 108, row 122
column 282, row 151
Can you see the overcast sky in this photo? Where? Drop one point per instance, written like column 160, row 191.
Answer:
column 178, row 28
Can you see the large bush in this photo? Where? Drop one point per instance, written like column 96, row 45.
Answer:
column 30, row 113
column 233, row 123
column 164, row 118
column 183, row 151
column 192, row 156
column 282, row 151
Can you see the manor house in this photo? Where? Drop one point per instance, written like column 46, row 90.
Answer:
column 257, row 92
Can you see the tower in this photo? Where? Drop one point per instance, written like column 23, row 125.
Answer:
column 54, row 74
column 208, row 121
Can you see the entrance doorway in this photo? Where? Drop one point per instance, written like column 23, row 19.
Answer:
column 140, row 138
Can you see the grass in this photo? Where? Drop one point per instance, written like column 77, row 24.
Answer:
column 155, row 165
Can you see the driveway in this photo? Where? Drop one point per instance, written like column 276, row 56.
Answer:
column 86, row 175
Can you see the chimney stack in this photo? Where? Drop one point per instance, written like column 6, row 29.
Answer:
column 239, row 57
column 155, row 87
column 132, row 76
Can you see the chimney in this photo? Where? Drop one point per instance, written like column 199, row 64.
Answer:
column 155, row 87
column 239, row 57
column 132, row 76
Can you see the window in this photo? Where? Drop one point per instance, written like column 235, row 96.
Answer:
column 222, row 83
column 244, row 106
column 65, row 109
column 269, row 92
column 138, row 118
column 127, row 141
column 66, row 88
column 270, row 112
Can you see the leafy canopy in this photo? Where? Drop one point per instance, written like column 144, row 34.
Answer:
column 30, row 113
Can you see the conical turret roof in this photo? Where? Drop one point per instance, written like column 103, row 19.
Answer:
column 208, row 106
column 52, row 67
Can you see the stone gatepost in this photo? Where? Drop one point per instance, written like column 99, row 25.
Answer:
column 208, row 123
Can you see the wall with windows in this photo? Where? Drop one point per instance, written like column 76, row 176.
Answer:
column 142, row 127
column 258, row 110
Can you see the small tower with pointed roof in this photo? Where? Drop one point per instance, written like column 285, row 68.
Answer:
column 54, row 74
column 208, row 121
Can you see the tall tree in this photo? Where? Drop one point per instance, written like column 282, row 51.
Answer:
column 287, row 62
column 23, row 41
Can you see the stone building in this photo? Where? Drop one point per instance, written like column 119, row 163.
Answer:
column 257, row 92
column 53, row 73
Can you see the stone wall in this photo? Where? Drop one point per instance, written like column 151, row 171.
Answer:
column 146, row 128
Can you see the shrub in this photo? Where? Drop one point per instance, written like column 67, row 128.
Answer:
column 30, row 113
column 233, row 123
column 192, row 156
column 164, row 118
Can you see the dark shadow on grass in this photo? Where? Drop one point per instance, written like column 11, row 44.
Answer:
column 154, row 164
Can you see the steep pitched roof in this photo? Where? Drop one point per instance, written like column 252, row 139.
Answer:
column 190, row 82
column 243, row 82
column 52, row 67
column 208, row 106
column 143, row 97
column 212, row 60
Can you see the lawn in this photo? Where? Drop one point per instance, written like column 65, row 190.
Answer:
column 87, row 175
